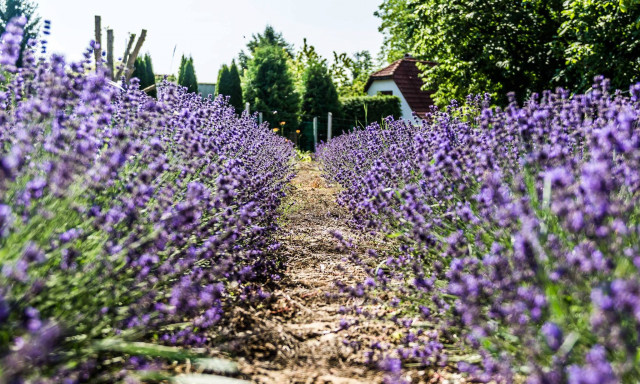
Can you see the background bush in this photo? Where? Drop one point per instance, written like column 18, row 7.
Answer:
column 363, row 110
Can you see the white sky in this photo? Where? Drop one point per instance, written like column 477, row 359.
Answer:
column 214, row 31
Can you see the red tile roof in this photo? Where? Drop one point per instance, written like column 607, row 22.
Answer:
column 405, row 74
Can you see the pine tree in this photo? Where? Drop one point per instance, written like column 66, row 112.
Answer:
column 269, row 87
column 187, row 75
column 150, row 77
column 320, row 95
column 229, row 85
column 183, row 64
column 235, row 87
column 223, row 80
column 143, row 70
column 139, row 71
column 14, row 8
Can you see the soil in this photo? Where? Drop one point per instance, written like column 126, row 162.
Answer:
column 296, row 335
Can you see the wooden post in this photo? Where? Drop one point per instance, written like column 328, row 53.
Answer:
column 97, row 52
column 315, row 133
column 110, row 52
column 329, row 123
column 134, row 54
column 132, row 38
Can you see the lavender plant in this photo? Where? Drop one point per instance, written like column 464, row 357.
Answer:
column 121, row 216
column 520, row 230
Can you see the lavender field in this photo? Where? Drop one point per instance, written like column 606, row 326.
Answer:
column 519, row 232
column 176, row 240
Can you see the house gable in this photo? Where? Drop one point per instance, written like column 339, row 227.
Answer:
column 405, row 74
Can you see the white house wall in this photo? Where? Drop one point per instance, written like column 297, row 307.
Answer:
column 390, row 85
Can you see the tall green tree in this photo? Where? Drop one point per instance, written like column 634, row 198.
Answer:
column 14, row 8
column 150, row 77
column 140, row 71
column 499, row 46
column 268, row 38
column 235, row 87
column 143, row 70
column 320, row 95
column 229, row 85
column 480, row 46
column 351, row 72
column 223, row 80
column 602, row 38
column 187, row 75
column 269, row 86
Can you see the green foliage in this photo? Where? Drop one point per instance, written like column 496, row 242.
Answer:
column 223, row 78
column 320, row 95
column 351, row 73
column 501, row 46
column 303, row 59
column 143, row 70
column 268, row 38
column 229, row 85
column 269, row 86
column 13, row 8
column 602, row 38
column 150, row 77
column 363, row 110
column 187, row 75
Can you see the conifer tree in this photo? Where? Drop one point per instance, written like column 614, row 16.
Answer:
column 143, row 70
column 235, row 87
column 139, row 71
column 187, row 75
column 320, row 95
column 270, row 89
column 229, row 85
column 223, row 80
column 150, row 77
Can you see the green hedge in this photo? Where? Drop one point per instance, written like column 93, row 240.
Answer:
column 364, row 110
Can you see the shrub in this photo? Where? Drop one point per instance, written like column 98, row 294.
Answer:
column 363, row 110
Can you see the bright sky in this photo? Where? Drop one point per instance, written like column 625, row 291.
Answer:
column 212, row 31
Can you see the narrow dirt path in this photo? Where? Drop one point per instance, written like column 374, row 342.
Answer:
column 298, row 335
column 299, row 332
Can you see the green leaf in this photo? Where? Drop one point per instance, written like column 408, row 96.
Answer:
column 144, row 349
column 206, row 379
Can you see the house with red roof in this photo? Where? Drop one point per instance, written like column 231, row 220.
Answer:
column 402, row 79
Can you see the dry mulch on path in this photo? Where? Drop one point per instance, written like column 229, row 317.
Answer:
column 295, row 337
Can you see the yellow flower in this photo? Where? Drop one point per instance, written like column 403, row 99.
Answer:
column 283, row 122
column 275, row 129
column 297, row 131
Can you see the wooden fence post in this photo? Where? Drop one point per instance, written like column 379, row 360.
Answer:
column 97, row 52
column 125, row 57
column 315, row 133
column 110, row 52
column 329, row 125
column 134, row 54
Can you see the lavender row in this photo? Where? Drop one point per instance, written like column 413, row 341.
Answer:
column 123, row 216
column 520, row 231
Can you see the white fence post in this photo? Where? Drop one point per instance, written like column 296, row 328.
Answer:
column 315, row 133
column 260, row 118
column 247, row 108
column 329, row 123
